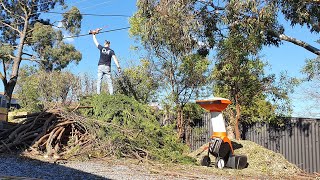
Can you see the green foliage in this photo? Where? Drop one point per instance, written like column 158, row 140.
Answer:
column 169, row 30
column 193, row 111
column 54, row 53
column 302, row 13
column 239, row 30
column 312, row 68
column 33, row 38
column 240, row 77
column 194, row 67
column 139, row 82
column 160, row 25
column 27, row 90
column 72, row 20
column 38, row 90
column 61, row 56
column 255, row 21
column 5, row 51
column 279, row 93
column 43, row 36
column 130, row 127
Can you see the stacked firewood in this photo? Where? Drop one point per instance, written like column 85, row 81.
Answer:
column 52, row 133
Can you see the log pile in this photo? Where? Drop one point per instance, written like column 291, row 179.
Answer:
column 51, row 133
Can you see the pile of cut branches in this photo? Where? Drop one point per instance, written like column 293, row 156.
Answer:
column 115, row 125
column 53, row 133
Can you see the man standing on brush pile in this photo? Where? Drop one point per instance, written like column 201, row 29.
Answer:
column 104, row 65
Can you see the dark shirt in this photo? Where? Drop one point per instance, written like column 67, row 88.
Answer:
column 105, row 55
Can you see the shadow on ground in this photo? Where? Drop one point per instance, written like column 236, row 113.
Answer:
column 16, row 167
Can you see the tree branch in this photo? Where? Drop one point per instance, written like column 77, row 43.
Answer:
column 10, row 56
column 300, row 43
column 10, row 12
column 31, row 55
column 8, row 25
column 34, row 60
column 5, row 8
column 23, row 8
column 3, row 78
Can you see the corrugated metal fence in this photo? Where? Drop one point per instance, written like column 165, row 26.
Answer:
column 298, row 139
column 200, row 133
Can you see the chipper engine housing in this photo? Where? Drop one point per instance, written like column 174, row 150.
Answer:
column 220, row 145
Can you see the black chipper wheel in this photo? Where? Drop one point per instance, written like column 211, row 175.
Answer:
column 206, row 161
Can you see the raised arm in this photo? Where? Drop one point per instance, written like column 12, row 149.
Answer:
column 95, row 40
column 117, row 62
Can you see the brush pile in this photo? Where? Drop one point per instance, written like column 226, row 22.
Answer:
column 53, row 133
column 115, row 125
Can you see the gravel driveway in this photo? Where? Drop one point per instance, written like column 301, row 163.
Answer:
column 24, row 167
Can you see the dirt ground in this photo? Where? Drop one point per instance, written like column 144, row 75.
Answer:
column 13, row 167
column 262, row 164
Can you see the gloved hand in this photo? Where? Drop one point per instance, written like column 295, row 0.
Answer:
column 119, row 70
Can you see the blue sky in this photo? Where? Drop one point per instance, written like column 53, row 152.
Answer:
column 287, row 57
column 120, row 40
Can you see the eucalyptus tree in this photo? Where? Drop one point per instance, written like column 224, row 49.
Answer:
column 169, row 27
column 165, row 29
column 243, row 28
column 261, row 18
column 26, row 36
column 240, row 76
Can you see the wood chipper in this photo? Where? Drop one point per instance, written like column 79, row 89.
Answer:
column 220, row 145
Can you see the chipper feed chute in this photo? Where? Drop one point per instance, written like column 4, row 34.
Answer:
column 220, row 146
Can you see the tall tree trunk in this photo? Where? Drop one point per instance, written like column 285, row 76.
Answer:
column 9, row 87
column 236, row 127
column 188, row 130
column 180, row 122
column 231, row 125
column 230, row 132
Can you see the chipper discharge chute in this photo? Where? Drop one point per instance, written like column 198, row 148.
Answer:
column 220, row 145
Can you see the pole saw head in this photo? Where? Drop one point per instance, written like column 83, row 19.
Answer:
column 96, row 31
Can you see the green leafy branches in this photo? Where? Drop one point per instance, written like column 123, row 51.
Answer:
column 140, row 82
column 302, row 13
column 162, row 25
column 53, row 53
column 72, row 20
column 39, row 90
column 312, row 68
column 131, row 129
